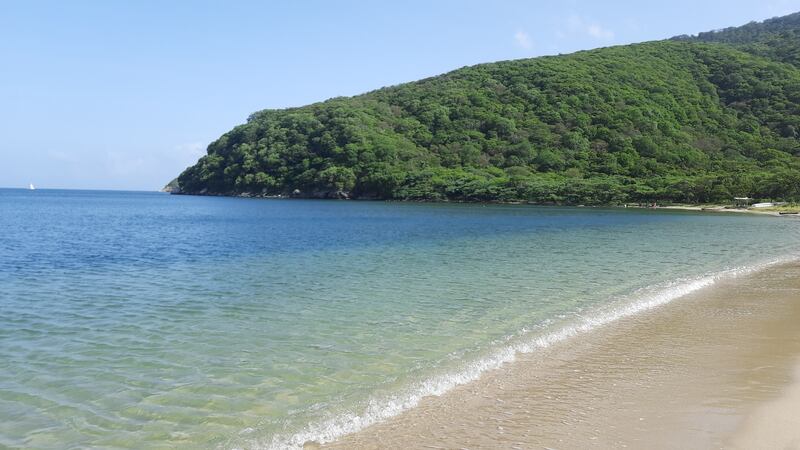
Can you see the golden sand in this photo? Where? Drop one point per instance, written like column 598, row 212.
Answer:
column 713, row 369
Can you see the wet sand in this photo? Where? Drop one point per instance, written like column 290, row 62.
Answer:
column 715, row 369
column 774, row 425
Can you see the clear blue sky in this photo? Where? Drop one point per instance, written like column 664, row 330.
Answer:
column 126, row 94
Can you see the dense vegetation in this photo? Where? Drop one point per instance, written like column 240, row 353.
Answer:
column 777, row 38
column 682, row 120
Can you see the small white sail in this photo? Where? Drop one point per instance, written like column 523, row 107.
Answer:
column 31, row 187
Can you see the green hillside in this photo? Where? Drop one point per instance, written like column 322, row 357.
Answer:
column 692, row 119
column 776, row 38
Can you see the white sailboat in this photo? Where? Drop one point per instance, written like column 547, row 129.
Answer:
column 31, row 187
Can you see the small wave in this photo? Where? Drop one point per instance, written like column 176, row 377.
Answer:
column 381, row 409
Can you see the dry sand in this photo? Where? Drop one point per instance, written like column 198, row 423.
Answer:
column 714, row 369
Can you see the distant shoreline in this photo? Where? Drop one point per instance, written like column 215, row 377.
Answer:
column 722, row 209
column 714, row 208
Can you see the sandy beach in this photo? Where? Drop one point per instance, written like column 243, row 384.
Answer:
column 717, row 368
column 790, row 213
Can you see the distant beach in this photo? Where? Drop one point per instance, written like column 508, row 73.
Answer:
column 772, row 211
column 717, row 368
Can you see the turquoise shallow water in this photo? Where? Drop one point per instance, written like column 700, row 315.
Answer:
column 143, row 320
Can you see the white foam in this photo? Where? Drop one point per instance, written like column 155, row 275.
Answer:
column 381, row 409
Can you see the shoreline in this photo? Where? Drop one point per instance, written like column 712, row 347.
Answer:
column 722, row 209
column 695, row 208
column 687, row 374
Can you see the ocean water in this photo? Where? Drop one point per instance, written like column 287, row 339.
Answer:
column 144, row 320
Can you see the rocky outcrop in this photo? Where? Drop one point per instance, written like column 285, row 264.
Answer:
column 172, row 187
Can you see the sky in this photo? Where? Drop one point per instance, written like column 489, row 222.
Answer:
column 126, row 94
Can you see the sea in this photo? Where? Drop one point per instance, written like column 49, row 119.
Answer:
column 149, row 320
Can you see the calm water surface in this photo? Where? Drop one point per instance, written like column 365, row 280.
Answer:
column 143, row 320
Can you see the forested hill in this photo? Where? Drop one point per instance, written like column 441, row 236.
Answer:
column 777, row 38
column 692, row 119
